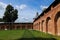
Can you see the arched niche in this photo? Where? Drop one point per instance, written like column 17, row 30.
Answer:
column 39, row 25
column 57, row 23
column 42, row 25
column 48, row 24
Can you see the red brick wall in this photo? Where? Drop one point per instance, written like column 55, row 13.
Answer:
column 16, row 26
column 51, row 22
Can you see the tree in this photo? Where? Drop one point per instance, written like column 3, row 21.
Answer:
column 1, row 20
column 44, row 9
column 37, row 14
column 10, row 14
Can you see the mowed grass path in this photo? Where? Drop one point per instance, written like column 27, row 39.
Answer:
column 25, row 35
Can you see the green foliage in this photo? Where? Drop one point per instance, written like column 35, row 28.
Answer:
column 10, row 14
column 1, row 20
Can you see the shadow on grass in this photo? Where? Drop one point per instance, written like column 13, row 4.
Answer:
column 32, row 37
column 36, row 39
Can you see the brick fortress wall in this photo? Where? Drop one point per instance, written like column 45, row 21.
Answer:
column 49, row 22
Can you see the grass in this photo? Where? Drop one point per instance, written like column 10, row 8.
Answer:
column 10, row 34
column 25, row 35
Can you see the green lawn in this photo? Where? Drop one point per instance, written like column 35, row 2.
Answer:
column 25, row 35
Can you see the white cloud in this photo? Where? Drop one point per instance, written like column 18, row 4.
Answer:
column 2, row 8
column 24, row 18
column 17, row 6
column 42, row 7
column 22, row 6
column 2, row 5
column 10, row 3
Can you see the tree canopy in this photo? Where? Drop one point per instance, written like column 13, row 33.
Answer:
column 10, row 14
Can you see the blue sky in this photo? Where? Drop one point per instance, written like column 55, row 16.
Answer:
column 27, row 9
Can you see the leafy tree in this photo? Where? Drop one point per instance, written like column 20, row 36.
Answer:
column 10, row 14
column 1, row 20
